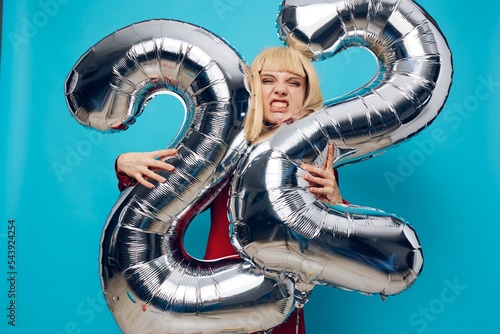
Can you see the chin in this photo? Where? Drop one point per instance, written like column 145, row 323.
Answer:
column 275, row 119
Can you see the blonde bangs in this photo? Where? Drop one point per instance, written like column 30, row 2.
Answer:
column 281, row 60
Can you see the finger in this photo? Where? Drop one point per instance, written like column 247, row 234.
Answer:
column 152, row 175
column 319, row 171
column 163, row 153
column 330, row 156
column 158, row 164
column 319, row 181
column 324, row 191
column 145, row 183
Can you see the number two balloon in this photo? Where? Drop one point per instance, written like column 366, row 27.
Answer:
column 150, row 282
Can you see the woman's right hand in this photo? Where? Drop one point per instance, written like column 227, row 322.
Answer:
column 141, row 165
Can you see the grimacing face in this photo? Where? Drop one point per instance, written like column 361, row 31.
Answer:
column 283, row 96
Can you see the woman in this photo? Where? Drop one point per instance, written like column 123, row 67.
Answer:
column 284, row 87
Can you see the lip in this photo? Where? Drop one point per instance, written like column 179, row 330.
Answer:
column 279, row 109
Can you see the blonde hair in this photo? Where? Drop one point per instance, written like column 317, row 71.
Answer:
column 279, row 59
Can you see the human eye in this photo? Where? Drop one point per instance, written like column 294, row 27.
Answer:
column 265, row 80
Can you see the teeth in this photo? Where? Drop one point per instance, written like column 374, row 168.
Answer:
column 279, row 104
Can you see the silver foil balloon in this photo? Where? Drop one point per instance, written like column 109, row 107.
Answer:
column 277, row 224
column 150, row 283
column 409, row 90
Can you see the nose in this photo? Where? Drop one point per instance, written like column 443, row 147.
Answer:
column 280, row 89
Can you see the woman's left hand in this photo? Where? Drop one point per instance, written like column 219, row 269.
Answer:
column 322, row 181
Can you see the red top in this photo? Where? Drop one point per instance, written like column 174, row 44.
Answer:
column 219, row 242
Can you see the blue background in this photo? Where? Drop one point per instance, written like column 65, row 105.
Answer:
column 59, row 185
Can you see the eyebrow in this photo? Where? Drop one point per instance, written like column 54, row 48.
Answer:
column 293, row 76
